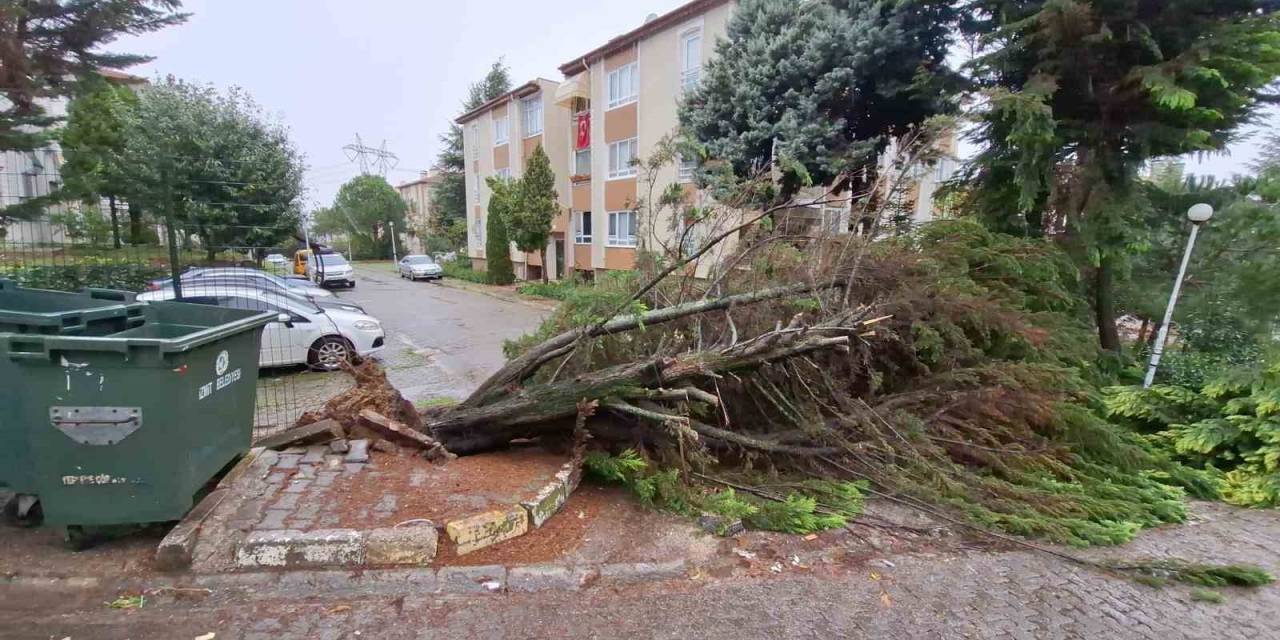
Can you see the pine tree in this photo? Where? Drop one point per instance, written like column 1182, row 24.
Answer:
column 49, row 47
column 530, row 220
column 449, row 196
column 497, row 246
column 822, row 86
column 1081, row 93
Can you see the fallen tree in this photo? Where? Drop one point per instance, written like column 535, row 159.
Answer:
column 949, row 366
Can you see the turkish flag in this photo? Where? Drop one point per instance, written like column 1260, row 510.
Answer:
column 584, row 130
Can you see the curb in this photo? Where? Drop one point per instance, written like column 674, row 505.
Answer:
column 473, row 580
column 414, row 546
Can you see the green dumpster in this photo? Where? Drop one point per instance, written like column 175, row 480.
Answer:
column 127, row 427
column 95, row 312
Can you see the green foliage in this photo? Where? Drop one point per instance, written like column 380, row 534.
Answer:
column 365, row 209
column 227, row 174
column 101, row 273
column 497, row 247
column 461, row 270
column 93, row 144
column 84, row 224
column 1082, row 93
column 52, row 47
column 814, row 505
column 1208, row 595
column 1231, row 427
column 1160, row 572
column 821, row 86
column 556, row 290
column 530, row 216
column 449, row 195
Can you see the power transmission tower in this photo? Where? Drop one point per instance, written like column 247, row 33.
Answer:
column 366, row 156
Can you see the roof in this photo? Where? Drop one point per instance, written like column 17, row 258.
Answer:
column 427, row 177
column 667, row 20
column 532, row 86
column 120, row 76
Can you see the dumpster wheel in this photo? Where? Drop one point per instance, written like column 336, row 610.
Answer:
column 24, row 511
column 76, row 538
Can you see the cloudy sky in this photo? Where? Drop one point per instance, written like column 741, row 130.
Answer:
column 391, row 70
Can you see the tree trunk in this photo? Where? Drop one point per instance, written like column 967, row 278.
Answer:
column 1142, row 332
column 1104, row 303
column 541, row 409
column 542, row 252
column 135, row 224
column 115, row 221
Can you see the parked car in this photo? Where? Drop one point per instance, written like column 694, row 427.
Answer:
column 235, row 277
column 331, row 269
column 303, row 333
column 415, row 266
column 277, row 260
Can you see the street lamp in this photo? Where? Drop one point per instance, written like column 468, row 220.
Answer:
column 1198, row 215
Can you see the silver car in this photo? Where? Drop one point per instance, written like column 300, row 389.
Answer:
column 416, row 266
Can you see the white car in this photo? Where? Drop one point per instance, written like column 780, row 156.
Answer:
column 302, row 333
column 277, row 260
column 414, row 267
column 331, row 269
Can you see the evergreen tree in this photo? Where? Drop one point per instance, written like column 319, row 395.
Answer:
column 497, row 247
column 529, row 221
column 49, row 47
column 822, row 86
column 1081, row 93
column 367, row 208
column 449, row 196
column 93, row 144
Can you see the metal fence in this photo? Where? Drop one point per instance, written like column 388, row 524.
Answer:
column 69, row 247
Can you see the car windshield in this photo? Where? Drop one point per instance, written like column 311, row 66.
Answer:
column 333, row 259
column 418, row 260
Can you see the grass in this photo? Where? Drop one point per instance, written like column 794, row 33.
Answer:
column 439, row 401
column 377, row 265
column 462, row 270
column 555, row 290
column 1208, row 595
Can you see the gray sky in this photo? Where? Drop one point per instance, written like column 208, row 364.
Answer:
column 398, row 71
column 394, row 71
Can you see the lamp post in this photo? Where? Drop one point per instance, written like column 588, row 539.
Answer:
column 1198, row 215
column 394, row 257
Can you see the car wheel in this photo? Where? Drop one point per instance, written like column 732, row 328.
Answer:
column 328, row 353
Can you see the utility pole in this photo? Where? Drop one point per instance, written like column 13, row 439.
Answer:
column 171, row 235
column 393, row 241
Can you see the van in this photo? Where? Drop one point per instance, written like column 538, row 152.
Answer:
column 300, row 262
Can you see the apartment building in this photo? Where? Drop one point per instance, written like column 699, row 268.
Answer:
column 498, row 138
column 421, row 216
column 617, row 104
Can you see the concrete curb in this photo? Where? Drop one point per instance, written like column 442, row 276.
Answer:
column 410, row 546
column 178, row 546
column 473, row 580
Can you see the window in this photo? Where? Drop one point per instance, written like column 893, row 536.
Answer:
column 622, row 159
column 475, row 141
column 622, row 228
column 582, row 162
column 500, row 132
column 687, row 167
column 475, row 191
column 532, row 110
column 503, row 174
column 624, row 85
column 690, row 59
column 582, row 227
column 477, row 229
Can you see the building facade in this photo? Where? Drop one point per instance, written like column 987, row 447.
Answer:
column 421, row 215
column 498, row 138
column 618, row 104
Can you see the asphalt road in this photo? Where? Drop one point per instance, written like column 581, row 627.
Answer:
column 441, row 341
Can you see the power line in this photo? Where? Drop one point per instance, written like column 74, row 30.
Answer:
column 367, row 156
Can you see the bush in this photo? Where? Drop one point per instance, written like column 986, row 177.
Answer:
column 556, row 290
column 462, row 270
column 91, row 272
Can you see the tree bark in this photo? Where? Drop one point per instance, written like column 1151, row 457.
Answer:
column 115, row 221
column 542, row 253
column 522, row 368
column 542, row 409
column 135, row 224
column 1104, row 304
